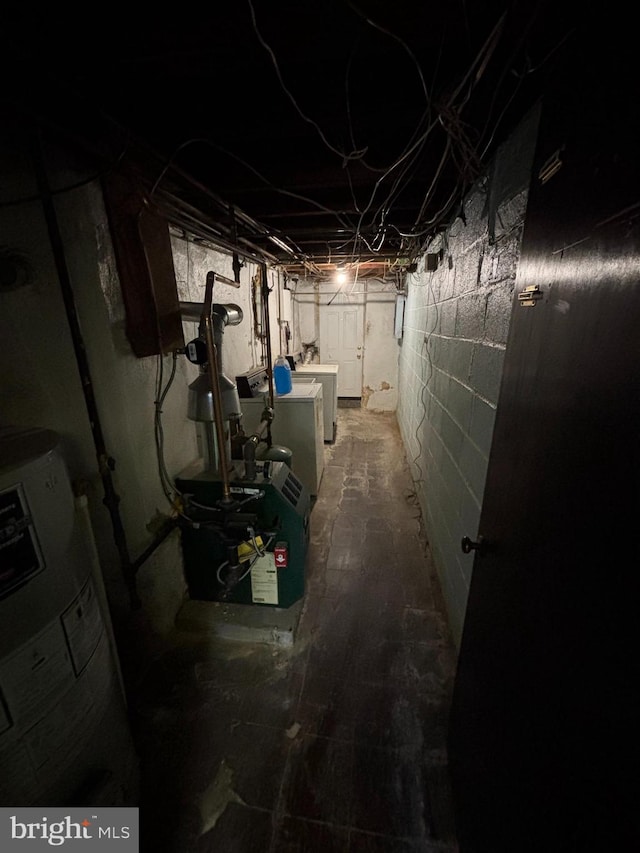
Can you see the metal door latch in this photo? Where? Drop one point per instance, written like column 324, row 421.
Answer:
column 530, row 295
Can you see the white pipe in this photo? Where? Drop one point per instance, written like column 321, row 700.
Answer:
column 298, row 294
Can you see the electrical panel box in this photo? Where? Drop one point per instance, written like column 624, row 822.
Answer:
column 401, row 300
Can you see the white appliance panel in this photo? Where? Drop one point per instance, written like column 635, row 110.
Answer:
column 298, row 425
column 327, row 374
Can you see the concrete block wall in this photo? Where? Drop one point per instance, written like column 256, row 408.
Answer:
column 454, row 339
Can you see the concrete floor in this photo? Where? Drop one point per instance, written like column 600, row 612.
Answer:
column 336, row 743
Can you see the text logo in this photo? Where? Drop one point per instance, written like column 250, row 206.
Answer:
column 98, row 829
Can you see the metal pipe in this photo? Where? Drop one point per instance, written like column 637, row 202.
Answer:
column 197, row 226
column 168, row 526
column 106, row 463
column 214, row 379
column 230, row 315
column 224, row 206
column 82, row 508
column 212, row 460
column 225, row 280
column 265, row 309
column 252, row 224
column 351, row 293
column 249, row 456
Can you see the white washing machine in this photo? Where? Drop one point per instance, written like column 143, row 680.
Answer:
column 327, row 374
column 297, row 424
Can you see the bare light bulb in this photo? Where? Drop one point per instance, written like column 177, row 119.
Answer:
column 341, row 277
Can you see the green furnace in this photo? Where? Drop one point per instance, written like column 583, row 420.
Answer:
column 244, row 515
column 252, row 551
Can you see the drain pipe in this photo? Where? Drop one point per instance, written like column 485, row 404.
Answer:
column 106, row 463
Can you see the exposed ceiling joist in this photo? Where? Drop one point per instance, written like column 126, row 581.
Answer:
column 335, row 130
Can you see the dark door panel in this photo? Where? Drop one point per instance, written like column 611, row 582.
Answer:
column 544, row 722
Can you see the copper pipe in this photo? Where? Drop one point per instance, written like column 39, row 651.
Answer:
column 212, row 357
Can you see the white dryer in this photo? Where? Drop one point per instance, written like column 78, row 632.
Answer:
column 297, row 424
column 327, row 375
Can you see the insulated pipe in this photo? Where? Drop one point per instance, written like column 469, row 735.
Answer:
column 214, row 379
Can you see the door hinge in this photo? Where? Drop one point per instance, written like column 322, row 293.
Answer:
column 529, row 296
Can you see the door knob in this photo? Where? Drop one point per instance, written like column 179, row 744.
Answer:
column 468, row 545
column 358, row 356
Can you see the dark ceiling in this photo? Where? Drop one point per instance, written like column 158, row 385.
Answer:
column 345, row 130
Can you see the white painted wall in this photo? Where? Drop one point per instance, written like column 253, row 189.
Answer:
column 381, row 349
column 40, row 385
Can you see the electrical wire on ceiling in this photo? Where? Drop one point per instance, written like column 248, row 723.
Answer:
column 399, row 184
column 413, row 148
column 340, row 289
column 464, row 157
column 458, row 148
column 520, row 76
column 416, row 64
column 478, row 65
column 507, row 68
column 348, row 113
column 175, row 209
column 462, row 150
column 204, row 140
column 431, row 188
column 353, row 155
column 359, row 226
column 441, row 130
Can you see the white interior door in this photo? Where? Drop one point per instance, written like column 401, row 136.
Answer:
column 342, row 343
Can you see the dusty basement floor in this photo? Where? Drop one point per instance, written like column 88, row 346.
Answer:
column 338, row 742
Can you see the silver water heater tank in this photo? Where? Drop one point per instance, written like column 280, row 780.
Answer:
column 64, row 733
